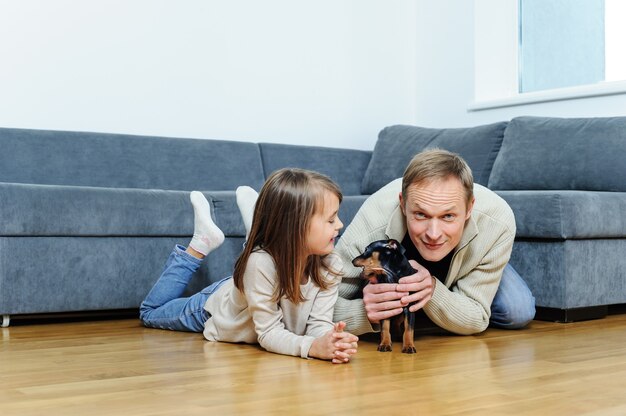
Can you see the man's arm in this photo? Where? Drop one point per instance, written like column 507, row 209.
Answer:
column 465, row 308
column 352, row 312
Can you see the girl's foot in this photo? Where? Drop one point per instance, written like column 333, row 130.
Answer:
column 206, row 235
column 246, row 200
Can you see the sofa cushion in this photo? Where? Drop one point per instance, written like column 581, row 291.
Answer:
column 54, row 210
column 344, row 166
column 397, row 145
column 66, row 274
column 562, row 154
column 573, row 273
column 348, row 209
column 125, row 161
column 228, row 218
column 226, row 213
column 567, row 214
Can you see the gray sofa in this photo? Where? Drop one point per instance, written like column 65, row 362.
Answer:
column 88, row 219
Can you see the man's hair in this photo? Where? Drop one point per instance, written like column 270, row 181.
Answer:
column 434, row 164
column 282, row 216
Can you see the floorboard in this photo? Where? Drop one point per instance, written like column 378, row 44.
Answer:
column 112, row 367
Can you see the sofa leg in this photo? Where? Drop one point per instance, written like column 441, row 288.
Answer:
column 572, row 314
column 5, row 321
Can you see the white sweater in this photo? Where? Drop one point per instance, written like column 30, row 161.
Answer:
column 252, row 316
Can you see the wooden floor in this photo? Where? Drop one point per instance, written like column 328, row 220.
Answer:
column 117, row 367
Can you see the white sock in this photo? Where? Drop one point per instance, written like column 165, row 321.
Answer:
column 246, row 200
column 206, row 235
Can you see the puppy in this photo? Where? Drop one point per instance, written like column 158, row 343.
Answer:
column 383, row 261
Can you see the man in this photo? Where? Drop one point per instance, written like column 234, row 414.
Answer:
column 457, row 235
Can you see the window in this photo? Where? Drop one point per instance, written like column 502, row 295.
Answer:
column 529, row 51
column 566, row 43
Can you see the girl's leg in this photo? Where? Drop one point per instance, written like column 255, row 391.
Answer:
column 246, row 200
column 206, row 235
column 164, row 307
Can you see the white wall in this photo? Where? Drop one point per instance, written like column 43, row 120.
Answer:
column 323, row 72
column 445, row 74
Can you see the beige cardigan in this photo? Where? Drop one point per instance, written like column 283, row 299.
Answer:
column 252, row 316
column 462, row 304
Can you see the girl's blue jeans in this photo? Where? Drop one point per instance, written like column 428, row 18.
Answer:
column 165, row 308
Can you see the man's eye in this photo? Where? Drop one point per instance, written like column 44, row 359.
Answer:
column 420, row 215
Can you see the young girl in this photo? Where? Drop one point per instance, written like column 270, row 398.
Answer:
column 285, row 283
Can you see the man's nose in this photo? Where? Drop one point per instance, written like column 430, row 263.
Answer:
column 433, row 232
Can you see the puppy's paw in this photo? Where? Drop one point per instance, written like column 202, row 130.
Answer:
column 384, row 347
column 408, row 349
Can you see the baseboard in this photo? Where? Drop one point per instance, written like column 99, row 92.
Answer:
column 572, row 314
column 57, row 317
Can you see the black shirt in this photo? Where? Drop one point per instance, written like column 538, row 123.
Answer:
column 439, row 269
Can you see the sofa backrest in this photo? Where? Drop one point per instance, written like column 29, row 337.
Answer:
column 548, row 153
column 125, row 161
column 397, row 145
column 344, row 166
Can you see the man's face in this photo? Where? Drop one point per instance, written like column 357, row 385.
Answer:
column 436, row 213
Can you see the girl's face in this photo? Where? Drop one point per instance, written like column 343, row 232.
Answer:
column 324, row 227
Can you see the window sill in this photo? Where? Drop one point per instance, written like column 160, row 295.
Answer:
column 570, row 93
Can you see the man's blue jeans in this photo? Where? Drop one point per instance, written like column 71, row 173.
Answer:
column 514, row 305
column 165, row 308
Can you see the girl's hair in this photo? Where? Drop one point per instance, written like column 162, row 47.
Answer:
column 287, row 202
column 434, row 164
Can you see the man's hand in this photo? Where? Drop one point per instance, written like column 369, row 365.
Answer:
column 384, row 300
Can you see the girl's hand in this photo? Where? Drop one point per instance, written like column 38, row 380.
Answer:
column 335, row 345
column 345, row 342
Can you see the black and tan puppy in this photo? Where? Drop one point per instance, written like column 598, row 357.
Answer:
column 383, row 261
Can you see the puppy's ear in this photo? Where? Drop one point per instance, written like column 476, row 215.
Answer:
column 392, row 244
column 395, row 245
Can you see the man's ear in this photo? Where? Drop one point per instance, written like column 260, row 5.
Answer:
column 470, row 206
column 401, row 203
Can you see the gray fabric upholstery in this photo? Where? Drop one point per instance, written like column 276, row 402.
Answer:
column 123, row 161
column 87, row 220
column 226, row 213
column 219, row 263
column 397, row 145
column 573, row 273
column 562, row 154
column 52, row 210
column 567, row 214
column 344, row 166
column 60, row 274
column 348, row 209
